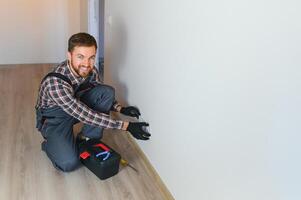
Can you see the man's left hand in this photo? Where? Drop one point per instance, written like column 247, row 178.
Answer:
column 130, row 111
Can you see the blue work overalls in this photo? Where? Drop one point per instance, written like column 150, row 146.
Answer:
column 56, row 125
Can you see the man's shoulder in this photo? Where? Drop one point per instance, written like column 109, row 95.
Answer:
column 61, row 68
column 59, row 74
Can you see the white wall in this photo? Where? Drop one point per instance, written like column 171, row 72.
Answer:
column 36, row 31
column 219, row 83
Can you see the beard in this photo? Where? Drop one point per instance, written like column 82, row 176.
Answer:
column 82, row 70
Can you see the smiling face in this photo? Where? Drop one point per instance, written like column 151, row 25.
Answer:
column 82, row 59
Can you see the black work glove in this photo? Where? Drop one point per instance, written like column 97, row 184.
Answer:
column 130, row 111
column 136, row 129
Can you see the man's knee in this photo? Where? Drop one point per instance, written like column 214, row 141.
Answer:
column 100, row 98
column 68, row 166
column 105, row 97
column 100, row 92
column 63, row 157
column 107, row 90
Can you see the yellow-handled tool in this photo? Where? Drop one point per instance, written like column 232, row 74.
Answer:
column 125, row 163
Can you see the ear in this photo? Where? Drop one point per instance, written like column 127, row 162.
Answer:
column 69, row 55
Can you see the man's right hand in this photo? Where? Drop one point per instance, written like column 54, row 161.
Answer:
column 136, row 129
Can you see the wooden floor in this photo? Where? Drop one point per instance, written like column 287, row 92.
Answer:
column 27, row 173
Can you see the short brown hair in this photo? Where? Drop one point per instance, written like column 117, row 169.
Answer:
column 81, row 39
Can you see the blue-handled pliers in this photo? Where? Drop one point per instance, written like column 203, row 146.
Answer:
column 106, row 153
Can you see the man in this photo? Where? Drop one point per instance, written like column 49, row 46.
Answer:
column 73, row 93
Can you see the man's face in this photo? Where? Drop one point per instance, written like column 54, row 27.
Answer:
column 82, row 60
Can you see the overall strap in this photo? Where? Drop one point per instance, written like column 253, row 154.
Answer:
column 58, row 75
column 78, row 91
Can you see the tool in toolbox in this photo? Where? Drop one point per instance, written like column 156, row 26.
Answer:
column 106, row 152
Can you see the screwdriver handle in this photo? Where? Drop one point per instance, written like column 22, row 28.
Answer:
column 123, row 162
column 126, row 163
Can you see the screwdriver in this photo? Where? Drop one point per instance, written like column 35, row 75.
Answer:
column 124, row 162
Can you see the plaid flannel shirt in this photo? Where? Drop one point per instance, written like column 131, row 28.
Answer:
column 56, row 92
